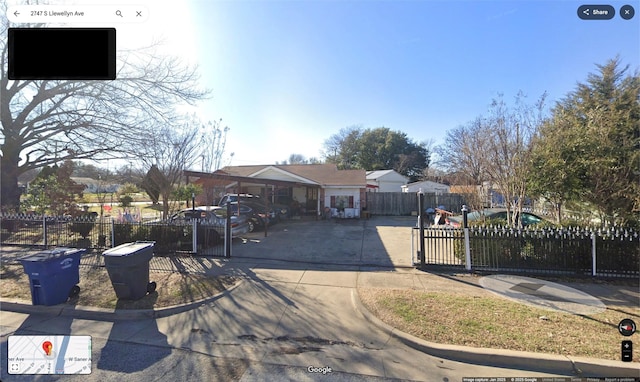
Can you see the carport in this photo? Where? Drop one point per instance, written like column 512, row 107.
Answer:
column 247, row 180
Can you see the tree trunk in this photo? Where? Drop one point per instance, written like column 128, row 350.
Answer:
column 9, row 171
column 165, row 204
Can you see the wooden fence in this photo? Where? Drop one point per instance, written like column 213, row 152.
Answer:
column 404, row 203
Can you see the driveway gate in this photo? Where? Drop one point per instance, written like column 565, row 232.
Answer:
column 442, row 246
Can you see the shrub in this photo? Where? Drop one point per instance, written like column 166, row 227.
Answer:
column 125, row 201
column 83, row 224
column 122, row 233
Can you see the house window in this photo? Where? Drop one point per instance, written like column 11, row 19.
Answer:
column 342, row 201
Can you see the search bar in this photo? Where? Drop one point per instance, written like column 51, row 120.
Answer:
column 80, row 14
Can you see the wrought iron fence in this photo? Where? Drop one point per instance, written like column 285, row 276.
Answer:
column 442, row 245
column 545, row 251
column 95, row 233
column 613, row 252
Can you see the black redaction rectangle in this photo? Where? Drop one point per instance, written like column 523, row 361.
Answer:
column 62, row 54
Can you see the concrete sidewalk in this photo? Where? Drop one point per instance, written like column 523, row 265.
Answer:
column 299, row 293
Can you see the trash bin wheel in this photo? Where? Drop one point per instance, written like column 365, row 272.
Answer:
column 75, row 291
column 151, row 287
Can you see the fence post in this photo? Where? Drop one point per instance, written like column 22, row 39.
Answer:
column 44, row 231
column 227, row 232
column 467, row 247
column 421, row 225
column 194, row 237
column 412, row 246
column 113, row 233
column 593, row 254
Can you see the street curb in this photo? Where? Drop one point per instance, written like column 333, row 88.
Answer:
column 551, row 363
column 101, row 314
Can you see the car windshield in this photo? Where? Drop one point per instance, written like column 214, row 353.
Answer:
column 528, row 219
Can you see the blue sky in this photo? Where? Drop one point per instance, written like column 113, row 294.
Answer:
column 286, row 75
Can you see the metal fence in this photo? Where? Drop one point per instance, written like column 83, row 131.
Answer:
column 96, row 233
column 611, row 252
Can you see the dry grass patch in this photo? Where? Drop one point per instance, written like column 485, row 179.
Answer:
column 96, row 290
column 494, row 322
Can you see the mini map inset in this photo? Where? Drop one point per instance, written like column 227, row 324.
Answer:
column 49, row 355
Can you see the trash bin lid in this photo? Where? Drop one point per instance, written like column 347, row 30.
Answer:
column 52, row 254
column 128, row 249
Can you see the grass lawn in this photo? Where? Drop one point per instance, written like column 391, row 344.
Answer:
column 147, row 210
column 494, row 322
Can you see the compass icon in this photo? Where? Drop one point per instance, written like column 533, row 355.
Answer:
column 627, row 327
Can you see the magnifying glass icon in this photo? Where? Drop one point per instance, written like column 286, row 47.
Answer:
column 118, row 13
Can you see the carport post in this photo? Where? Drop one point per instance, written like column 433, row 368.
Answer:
column 194, row 236
column 266, row 208
column 421, row 225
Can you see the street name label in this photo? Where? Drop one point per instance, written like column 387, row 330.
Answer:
column 49, row 355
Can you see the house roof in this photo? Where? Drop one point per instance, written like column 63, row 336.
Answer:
column 87, row 181
column 321, row 174
column 378, row 174
column 426, row 183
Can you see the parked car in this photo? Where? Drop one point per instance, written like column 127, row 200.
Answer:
column 256, row 215
column 271, row 212
column 526, row 218
column 229, row 198
column 211, row 216
column 281, row 210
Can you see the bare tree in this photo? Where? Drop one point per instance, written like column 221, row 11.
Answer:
column 496, row 150
column 168, row 154
column 464, row 151
column 44, row 122
column 508, row 151
column 212, row 145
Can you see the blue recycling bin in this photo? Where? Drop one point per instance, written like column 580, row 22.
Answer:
column 53, row 275
column 128, row 268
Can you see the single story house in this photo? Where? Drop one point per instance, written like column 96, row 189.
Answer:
column 309, row 188
column 385, row 181
column 427, row 186
column 95, row 186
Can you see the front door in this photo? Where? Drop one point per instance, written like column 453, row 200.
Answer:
column 312, row 200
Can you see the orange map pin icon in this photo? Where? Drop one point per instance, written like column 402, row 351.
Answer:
column 47, row 345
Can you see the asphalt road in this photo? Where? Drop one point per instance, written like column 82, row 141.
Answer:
column 294, row 312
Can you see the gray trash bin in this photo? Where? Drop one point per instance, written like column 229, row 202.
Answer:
column 128, row 268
